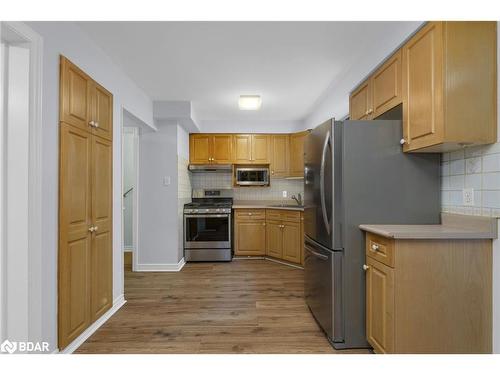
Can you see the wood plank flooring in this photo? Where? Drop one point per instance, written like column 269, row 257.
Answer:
column 246, row 306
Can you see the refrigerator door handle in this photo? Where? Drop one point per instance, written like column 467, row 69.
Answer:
column 317, row 255
column 322, row 183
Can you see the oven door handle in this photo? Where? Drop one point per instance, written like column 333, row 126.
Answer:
column 206, row 215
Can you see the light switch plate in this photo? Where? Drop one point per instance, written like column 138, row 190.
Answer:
column 166, row 180
column 468, row 197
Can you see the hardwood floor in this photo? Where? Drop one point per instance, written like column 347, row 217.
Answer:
column 246, row 306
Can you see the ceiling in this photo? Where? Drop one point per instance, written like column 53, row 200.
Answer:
column 290, row 64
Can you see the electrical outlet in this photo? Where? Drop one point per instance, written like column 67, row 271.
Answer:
column 284, row 193
column 468, row 197
column 166, row 180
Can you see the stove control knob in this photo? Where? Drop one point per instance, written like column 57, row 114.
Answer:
column 195, row 210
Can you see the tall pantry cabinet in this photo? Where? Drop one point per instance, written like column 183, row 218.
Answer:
column 85, row 201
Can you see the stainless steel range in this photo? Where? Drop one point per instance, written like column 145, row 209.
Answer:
column 208, row 226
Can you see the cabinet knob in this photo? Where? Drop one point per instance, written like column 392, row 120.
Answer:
column 249, row 214
column 92, row 123
column 96, row 228
column 369, row 111
column 96, row 124
column 375, row 247
column 365, row 267
column 91, row 229
column 263, row 223
column 402, row 141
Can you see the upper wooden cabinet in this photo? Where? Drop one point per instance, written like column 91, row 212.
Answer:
column 83, row 102
column 379, row 93
column 296, row 163
column 360, row 102
column 449, row 86
column 210, row 149
column 252, row 149
column 280, row 155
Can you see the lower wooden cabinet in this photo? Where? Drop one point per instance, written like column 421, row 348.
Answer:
column 428, row 296
column 274, row 233
column 250, row 233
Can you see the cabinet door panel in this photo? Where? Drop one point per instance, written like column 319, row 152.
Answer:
column 250, row 237
column 297, row 154
column 199, row 148
column 260, row 149
column 74, row 235
column 380, row 306
column 102, row 112
column 280, row 152
column 274, row 239
column 360, row 102
column 386, row 83
column 74, row 101
column 242, row 148
column 102, row 187
column 291, row 242
column 222, row 149
column 422, row 87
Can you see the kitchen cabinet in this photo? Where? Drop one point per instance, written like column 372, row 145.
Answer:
column 297, row 154
column 428, row 295
column 252, row 149
column 360, row 102
column 379, row 93
column 85, row 202
column 449, row 86
column 211, row 148
column 83, row 102
column 283, row 235
column 250, row 233
column 280, row 155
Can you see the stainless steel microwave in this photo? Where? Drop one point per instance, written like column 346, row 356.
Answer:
column 252, row 176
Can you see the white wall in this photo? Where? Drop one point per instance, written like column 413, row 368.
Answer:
column 68, row 39
column 158, row 220
column 335, row 101
column 250, row 126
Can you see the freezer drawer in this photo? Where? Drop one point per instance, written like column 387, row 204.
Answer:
column 323, row 289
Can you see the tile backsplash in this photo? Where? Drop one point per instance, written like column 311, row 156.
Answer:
column 224, row 181
column 476, row 168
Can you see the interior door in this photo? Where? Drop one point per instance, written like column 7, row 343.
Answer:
column 102, row 112
column 75, row 89
column 74, row 236
column 101, row 255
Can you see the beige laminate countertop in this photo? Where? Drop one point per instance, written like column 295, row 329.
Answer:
column 266, row 204
column 452, row 227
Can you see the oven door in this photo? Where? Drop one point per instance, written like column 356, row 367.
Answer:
column 210, row 231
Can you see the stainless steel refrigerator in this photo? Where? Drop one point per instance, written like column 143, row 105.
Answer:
column 356, row 173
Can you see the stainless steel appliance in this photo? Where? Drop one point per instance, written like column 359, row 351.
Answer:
column 208, row 226
column 251, row 176
column 355, row 173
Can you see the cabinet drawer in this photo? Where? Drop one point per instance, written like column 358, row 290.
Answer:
column 293, row 216
column 380, row 248
column 250, row 214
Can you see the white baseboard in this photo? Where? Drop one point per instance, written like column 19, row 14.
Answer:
column 167, row 267
column 117, row 303
column 128, row 249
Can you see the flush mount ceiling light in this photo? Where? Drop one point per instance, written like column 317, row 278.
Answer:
column 249, row 102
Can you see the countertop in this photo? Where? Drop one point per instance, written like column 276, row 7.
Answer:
column 452, row 226
column 267, row 204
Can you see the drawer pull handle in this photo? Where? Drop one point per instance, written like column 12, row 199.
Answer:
column 365, row 267
column 375, row 247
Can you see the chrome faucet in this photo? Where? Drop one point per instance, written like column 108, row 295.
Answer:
column 297, row 199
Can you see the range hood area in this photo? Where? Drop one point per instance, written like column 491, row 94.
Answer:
column 215, row 168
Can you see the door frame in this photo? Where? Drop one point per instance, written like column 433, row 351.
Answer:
column 135, row 193
column 33, row 270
